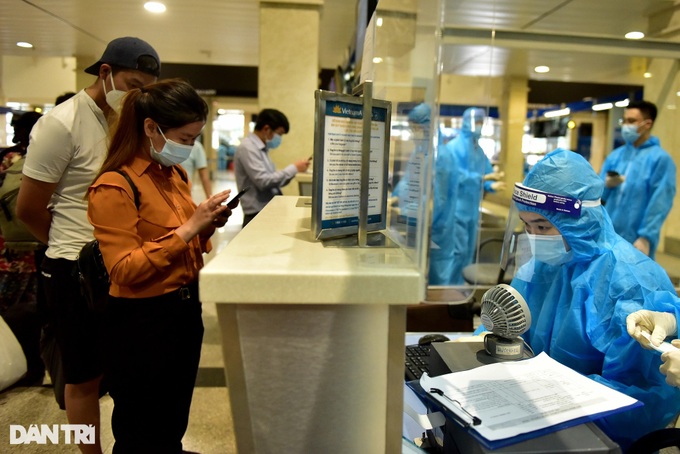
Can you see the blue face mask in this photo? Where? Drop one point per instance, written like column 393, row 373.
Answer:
column 275, row 142
column 549, row 249
column 172, row 152
column 630, row 133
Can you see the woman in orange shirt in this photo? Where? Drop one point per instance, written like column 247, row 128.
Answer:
column 153, row 253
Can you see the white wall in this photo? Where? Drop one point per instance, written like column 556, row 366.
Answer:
column 35, row 80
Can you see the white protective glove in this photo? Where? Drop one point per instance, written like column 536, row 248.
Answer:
column 659, row 324
column 494, row 176
column 671, row 365
column 498, row 186
column 614, row 181
column 642, row 245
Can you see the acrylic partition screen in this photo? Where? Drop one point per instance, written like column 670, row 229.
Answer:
column 434, row 60
column 401, row 62
column 338, row 161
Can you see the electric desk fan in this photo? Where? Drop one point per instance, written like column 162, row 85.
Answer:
column 505, row 313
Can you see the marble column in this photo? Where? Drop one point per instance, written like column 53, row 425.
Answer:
column 288, row 73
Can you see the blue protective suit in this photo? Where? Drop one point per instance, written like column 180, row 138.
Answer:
column 639, row 206
column 459, row 173
column 579, row 308
column 409, row 188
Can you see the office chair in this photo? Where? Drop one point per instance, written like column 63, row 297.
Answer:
column 487, row 270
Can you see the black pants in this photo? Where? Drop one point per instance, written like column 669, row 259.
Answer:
column 154, row 349
column 78, row 330
column 247, row 218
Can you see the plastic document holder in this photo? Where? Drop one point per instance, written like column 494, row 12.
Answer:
column 582, row 435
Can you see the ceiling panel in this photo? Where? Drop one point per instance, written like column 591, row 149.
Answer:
column 224, row 32
column 592, row 17
column 609, row 58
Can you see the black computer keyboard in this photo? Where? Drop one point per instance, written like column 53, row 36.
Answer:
column 416, row 361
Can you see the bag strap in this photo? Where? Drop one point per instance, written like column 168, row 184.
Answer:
column 135, row 192
column 182, row 173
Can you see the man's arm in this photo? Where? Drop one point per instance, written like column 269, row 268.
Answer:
column 204, row 175
column 32, row 201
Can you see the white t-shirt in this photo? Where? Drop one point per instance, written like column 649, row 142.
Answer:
column 68, row 146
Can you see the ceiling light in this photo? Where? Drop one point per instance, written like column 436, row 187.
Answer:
column 634, row 35
column 603, row 106
column 557, row 113
column 571, row 124
column 154, row 7
column 377, row 60
column 542, row 69
column 647, row 75
column 24, row 44
column 677, row 93
column 623, row 103
column 379, row 22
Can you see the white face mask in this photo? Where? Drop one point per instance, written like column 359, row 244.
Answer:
column 549, row 249
column 172, row 152
column 115, row 97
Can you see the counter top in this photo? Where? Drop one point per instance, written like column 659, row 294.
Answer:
column 304, row 177
column 276, row 260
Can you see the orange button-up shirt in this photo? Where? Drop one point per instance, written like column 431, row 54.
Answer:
column 143, row 254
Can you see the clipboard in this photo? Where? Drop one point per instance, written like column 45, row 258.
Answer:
column 462, row 419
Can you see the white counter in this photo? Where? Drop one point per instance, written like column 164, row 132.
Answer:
column 305, row 180
column 312, row 336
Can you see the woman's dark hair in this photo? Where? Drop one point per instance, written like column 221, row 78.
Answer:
column 171, row 103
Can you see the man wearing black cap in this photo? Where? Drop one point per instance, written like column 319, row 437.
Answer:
column 67, row 148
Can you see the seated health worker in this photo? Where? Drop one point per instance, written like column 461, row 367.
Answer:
column 153, row 255
column 581, row 280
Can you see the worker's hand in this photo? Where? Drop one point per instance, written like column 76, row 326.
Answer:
column 659, row 324
column 494, row 176
column 498, row 186
column 642, row 245
column 613, row 181
column 302, row 165
column 671, row 365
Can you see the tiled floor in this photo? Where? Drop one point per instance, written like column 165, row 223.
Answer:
column 210, row 428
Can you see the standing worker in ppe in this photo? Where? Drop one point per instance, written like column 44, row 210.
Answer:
column 639, row 179
column 581, row 280
column 409, row 188
column 462, row 174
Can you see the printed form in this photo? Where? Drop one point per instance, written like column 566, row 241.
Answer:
column 513, row 398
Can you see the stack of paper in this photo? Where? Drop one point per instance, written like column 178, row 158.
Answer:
column 531, row 397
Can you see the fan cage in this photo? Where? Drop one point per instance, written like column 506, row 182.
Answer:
column 503, row 313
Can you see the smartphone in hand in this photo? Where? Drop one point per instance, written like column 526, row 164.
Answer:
column 234, row 200
column 612, row 173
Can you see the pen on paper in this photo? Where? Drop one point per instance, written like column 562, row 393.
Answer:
column 475, row 420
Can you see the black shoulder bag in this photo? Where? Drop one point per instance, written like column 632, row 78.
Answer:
column 94, row 279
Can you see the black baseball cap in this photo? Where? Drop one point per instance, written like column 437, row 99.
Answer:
column 130, row 53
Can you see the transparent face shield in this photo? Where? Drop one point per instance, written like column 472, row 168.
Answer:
column 476, row 120
column 537, row 243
